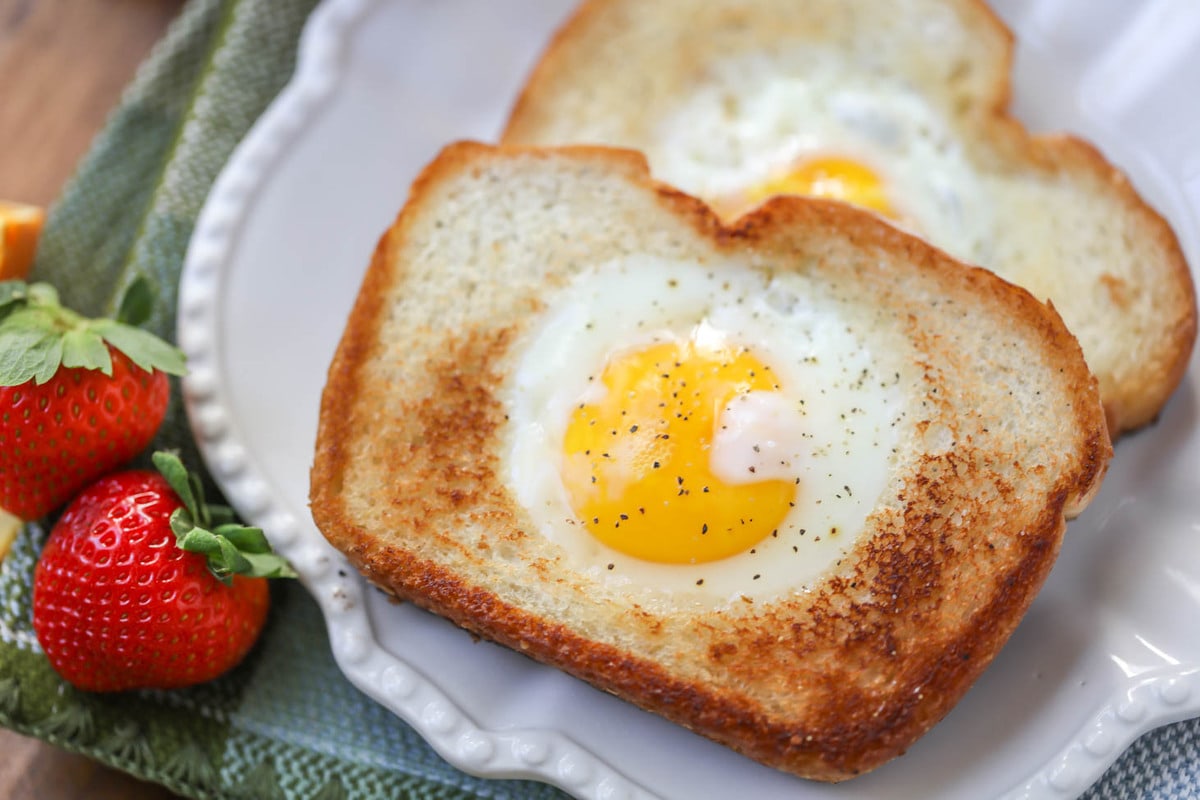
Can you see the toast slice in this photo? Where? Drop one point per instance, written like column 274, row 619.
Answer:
column 993, row 435
column 732, row 101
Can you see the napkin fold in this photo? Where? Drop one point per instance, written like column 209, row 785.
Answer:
column 286, row 723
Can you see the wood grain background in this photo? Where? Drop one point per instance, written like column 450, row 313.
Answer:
column 63, row 64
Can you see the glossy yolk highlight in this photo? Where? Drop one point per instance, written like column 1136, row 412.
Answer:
column 636, row 462
column 831, row 178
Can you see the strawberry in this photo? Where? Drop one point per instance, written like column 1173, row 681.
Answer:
column 143, row 585
column 78, row 397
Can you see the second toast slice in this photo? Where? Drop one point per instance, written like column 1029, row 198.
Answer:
column 898, row 106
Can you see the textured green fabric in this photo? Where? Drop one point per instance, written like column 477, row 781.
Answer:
column 285, row 723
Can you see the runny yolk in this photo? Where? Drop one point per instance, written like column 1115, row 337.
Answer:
column 832, row 178
column 636, row 461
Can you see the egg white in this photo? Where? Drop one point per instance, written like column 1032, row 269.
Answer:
column 753, row 118
column 836, row 417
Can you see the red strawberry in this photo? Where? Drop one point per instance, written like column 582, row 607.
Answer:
column 141, row 585
column 78, row 397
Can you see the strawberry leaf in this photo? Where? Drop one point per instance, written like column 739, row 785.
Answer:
column 268, row 565
column 224, row 560
column 12, row 295
column 143, row 348
column 35, row 307
column 245, row 539
column 231, row 548
column 168, row 463
column 230, row 561
column 51, row 359
column 182, row 524
column 83, row 348
column 28, row 354
column 200, row 508
column 225, row 556
column 137, row 303
column 32, row 318
column 198, row 540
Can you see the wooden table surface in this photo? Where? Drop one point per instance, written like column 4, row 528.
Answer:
column 63, row 64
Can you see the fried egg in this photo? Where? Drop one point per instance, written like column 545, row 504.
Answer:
column 819, row 126
column 698, row 433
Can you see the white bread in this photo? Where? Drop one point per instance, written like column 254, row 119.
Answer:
column 1003, row 439
column 1055, row 216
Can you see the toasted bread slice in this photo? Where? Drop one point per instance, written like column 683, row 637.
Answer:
column 726, row 97
column 996, row 436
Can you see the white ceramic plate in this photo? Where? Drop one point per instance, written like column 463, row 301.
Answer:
column 1108, row 650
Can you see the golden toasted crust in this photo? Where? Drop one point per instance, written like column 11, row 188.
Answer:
column 408, row 478
column 1106, row 259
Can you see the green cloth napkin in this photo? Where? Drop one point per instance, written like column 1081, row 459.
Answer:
column 286, row 723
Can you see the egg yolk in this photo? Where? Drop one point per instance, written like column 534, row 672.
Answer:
column 831, row 178
column 636, row 461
